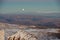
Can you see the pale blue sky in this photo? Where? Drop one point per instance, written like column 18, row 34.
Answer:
column 12, row 6
column 29, row 0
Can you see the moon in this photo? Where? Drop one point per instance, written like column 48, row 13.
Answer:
column 23, row 9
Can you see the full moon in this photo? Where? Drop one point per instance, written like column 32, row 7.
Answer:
column 22, row 9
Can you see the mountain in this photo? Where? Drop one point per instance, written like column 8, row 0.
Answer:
column 42, row 19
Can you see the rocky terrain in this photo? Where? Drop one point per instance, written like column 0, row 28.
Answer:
column 22, row 35
column 1, row 34
column 13, row 30
column 15, row 26
column 40, row 34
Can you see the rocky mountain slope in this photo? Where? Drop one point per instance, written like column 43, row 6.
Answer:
column 39, row 35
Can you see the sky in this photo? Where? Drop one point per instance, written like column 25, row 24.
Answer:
column 15, row 6
column 29, row 0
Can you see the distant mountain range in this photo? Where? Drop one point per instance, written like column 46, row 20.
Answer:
column 42, row 19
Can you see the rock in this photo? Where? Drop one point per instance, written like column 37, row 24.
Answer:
column 22, row 35
column 54, row 34
column 1, row 34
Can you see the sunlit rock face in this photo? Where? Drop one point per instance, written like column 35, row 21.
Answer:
column 1, row 34
column 22, row 35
